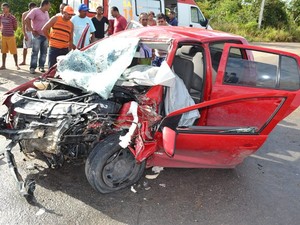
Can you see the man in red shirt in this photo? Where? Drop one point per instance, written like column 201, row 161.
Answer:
column 8, row 27
column 120, row 22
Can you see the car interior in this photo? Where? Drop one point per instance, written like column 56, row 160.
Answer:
column 188, row 65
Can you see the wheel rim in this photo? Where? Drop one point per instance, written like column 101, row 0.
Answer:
column 119, row 168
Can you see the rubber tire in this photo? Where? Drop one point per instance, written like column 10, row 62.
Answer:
column 97, row 160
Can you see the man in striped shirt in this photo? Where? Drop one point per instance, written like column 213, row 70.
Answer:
column 59, row 31
column 8, row 27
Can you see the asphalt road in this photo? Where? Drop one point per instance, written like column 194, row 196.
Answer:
column 265, row 189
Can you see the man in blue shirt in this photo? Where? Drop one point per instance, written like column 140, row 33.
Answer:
column 173, row 21
column 81, row 22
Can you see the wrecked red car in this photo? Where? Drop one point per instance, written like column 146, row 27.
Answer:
column 212, row 102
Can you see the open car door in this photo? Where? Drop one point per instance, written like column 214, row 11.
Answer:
column 223, row 146
column 252, row 69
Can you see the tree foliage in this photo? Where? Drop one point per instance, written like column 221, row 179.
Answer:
column 241, row 17
column 20, row 6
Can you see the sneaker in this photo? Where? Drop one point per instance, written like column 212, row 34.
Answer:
column 42, row 70
column 32, row 70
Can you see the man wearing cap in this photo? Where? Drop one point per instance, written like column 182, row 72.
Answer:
column 61, row 34
column 35, row 20
column 81, row 22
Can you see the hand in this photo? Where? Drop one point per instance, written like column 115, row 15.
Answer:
column 25, row 37
column 35, row 33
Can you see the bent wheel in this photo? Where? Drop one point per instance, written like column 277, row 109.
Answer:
column 109, row 167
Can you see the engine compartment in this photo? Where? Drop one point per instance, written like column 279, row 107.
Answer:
column 67, row 121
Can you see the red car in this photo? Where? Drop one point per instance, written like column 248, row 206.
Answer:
column 212, row 102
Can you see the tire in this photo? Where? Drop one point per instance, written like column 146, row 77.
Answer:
column 109, row 167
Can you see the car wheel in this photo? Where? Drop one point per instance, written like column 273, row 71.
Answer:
column 110, row 167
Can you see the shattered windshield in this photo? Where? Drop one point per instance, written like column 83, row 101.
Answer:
column 98, row 68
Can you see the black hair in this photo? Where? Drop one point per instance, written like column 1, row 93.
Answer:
column 31, row 5
column 161, row 16
column 114, row 8
column 45, row 2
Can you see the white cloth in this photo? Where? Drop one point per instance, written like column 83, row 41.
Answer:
column 79, row 26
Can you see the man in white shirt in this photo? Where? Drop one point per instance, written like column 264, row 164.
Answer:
column 82, row 22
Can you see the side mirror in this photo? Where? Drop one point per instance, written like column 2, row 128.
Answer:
column 204, row 23
column 169, row 138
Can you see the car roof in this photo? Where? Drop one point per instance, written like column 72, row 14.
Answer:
column 180, row 34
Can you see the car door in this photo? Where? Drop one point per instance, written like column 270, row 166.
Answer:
column 222, row 145
column 252, row 69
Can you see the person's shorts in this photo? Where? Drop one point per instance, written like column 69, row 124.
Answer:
column 9, row 45
column 28, row 43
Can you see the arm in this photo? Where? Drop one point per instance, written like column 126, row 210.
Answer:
column 15, row 24
column 71, row 45
column 46, row 28
column 108, row 27
column 28, row 22
column 24, row 25
column 92, row 30
column 124, row 24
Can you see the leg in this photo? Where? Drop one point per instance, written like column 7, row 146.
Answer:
column 24, row 57
column 34, row 53
column 12, row 47
column 43, row 54
column 16, row 61
column 3, row 61
column 4, row 51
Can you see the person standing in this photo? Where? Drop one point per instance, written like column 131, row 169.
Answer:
column 27, row 40
column 60, row 36
column 143, row 19
column 173, row 21
column 8, row 27
column 160, row 55
column 99, row 22
column 82, row 22
column 151, row 21
column 61, row 8
column 120, row 22
column 35, row 20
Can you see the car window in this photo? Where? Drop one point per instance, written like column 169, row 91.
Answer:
column 216, row 50
column 262, row 69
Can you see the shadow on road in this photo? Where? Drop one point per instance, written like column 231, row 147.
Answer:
column 189, row 196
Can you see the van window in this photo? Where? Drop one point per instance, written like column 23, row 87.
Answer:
column 196, row 15
column 93, row 4
column 146, row 6
column 74, row 4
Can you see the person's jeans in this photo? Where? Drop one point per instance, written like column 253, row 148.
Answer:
column 39, row 44
column 53, row 53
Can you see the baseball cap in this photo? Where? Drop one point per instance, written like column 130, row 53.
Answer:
column 83, row 7
column 69, row 10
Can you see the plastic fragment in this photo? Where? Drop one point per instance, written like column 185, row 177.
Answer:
column 162, row 185
column 157, row 169
column 40, row 212
column 152, row 176
column 132, row 189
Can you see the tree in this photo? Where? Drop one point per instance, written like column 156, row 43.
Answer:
column 20, row 6
column 294, row 10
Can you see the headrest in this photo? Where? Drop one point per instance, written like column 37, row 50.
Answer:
column 189, row 50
